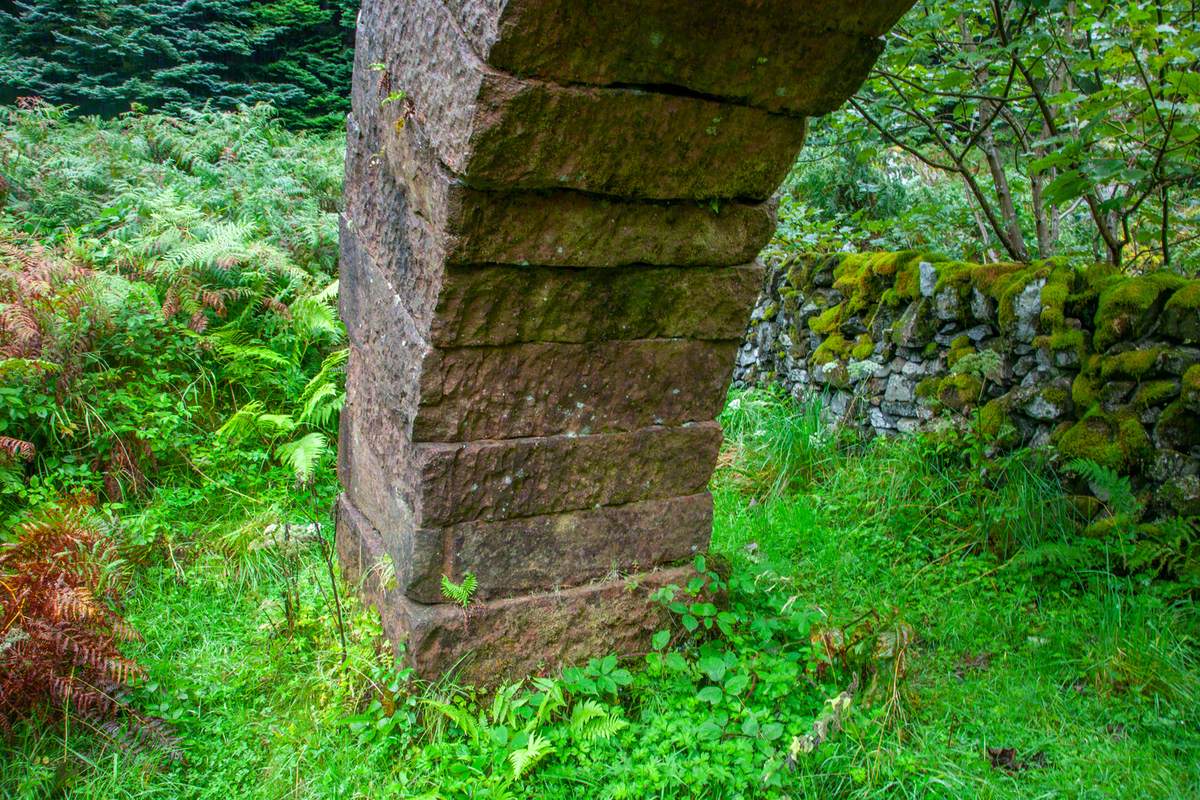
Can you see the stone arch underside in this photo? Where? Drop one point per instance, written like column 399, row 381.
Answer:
column 553, row 212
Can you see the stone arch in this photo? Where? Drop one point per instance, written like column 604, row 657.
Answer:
column 553, row 210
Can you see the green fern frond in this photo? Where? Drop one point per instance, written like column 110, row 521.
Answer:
column 525, row 758
column 316, row 319
column 467, row 723
column 591, row 721
column 460, row 593
column 242, row 424
column 303, row 454
column 1110, row 488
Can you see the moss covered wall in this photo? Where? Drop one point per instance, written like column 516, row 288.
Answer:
column 1099, row 364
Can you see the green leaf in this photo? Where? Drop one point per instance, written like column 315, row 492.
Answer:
column 710, row 694
column 712, row 666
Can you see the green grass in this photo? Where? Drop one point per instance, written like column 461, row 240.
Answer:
column 1096, row 673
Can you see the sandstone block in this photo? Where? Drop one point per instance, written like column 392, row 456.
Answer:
column 782, row 56
column 500, row 132
column 573, row 229
column 494, row 480
column 514, row 637
column 507, row 305
column 533, row 554
column 544, row 389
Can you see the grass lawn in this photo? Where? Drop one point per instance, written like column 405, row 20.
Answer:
column 987, row 669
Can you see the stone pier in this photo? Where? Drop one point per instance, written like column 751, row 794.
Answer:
column 553, row 211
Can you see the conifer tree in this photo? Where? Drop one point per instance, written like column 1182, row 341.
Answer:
column 105, row 55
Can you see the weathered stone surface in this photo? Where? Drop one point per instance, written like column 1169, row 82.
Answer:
column 573, row 229
column 545, row 205
column 507, row 305
column 500, row 132
column 543, row 389
column 510, row 638
column 782, row 56
column 528, row 555
column 404, row 486
column 492, row 480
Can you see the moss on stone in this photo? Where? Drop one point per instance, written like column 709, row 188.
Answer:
column 955, row 392
column 1190, row 389
column 1132, row 364
column 994, row 417
column 863, row 348
column 1068, row 338
column 907, row 282
column 1181, row 314
column 770, row 312
column 1127, row 306
column 1117, row 441
column 1186, row 298
column 834, row 348
column 959, row 349
column 1057, row 396
column 828, row 321
column 1155, row 393
column 1104, row 528
column 1178, row 427
column 1060, row 282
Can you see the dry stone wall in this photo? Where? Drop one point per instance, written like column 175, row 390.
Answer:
column 553, row 211
column 1099, row 364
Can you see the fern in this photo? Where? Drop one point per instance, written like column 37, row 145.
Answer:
column 302, row 455
column 591, row 721
column 1110, row 488
column 467, row 722
column 460, row 593
column 525, row 758
column 324, row 397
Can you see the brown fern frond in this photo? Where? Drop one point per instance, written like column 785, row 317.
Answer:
column 57, row 637
column 20, row 332
column 279, row 307
column 17, row 448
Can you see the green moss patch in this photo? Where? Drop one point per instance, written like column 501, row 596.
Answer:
column 955, row 392
column 1190, row 389
column 1179, row 427
column 1117, row 441
column 834, row 348
column 828, row 321
column 863, row 348
column 1132, row 364
column 1128, row 306
column 1181, row 314
column 1155, row 393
